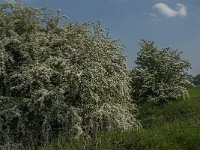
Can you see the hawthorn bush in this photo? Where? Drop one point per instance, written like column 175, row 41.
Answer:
column 160, row 76
column 58, row 79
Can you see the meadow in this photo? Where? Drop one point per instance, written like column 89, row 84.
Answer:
column 175, row 126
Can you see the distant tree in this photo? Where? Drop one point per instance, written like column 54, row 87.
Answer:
column 196, row 80
column 160, row 75
column 56, row 79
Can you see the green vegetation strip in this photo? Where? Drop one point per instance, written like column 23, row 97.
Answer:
column 175, row 126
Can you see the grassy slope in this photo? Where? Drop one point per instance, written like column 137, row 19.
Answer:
column 175, row 126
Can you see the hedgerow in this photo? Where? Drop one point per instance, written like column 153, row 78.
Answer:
column 59, row 79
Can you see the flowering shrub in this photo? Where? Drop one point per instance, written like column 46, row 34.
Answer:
column 58, row 79
column 160, row 75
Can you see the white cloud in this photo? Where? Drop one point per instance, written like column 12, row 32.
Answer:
column 167, row 11
column 182, row 10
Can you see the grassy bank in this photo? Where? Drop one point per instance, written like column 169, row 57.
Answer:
column 175, row 126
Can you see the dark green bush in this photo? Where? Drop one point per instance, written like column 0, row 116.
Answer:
column 196, row 80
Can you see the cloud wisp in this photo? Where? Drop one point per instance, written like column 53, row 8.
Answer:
column 164, row 9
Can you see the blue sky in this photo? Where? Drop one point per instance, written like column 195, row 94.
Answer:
column 169, row 23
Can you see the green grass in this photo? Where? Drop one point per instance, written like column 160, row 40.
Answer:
column 175, row 126
column 175, row 112
column 195, row 92
column 182, row 136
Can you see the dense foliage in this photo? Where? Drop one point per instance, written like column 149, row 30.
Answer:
column 160, row 75
column 58, row 79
